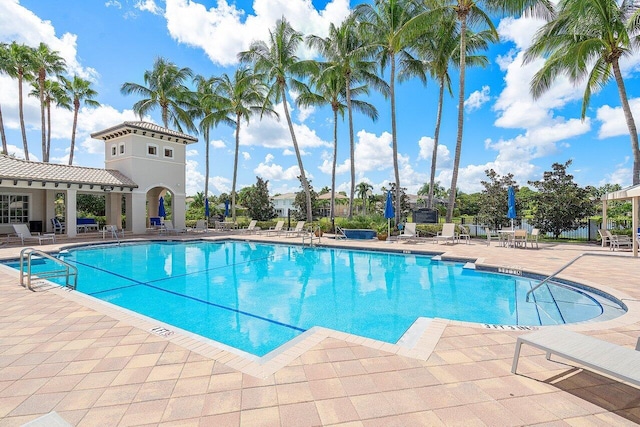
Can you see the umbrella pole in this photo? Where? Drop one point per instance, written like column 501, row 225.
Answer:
column 388, row 229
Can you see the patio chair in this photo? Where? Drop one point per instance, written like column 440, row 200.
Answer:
column 23, row 233
column 535, row 233
column 618, row 241
column 277, row 229
column 58, row 227
column 167, row 226
column 464, row 234
column 605, row 236
column 490, row 236
column 519, row 239
column 113, row 231
column 409, row 231
column 297, row 231
column 447, row 234
column 251, row 228
column 201, row 226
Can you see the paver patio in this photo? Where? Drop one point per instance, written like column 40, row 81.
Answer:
column 96, row 365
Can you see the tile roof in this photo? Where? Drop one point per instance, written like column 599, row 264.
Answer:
column 18, row 169
column 144, row 127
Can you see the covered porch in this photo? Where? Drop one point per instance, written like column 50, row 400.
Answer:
column 630, row 193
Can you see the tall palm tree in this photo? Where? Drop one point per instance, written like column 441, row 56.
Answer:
column 164, row 88
column 347, row 53
column 20, row 66
column 80, row 92
column 331, row 89
column 45, row 61
column 438, row 49
column 384, row 27
column 586, row 41
column 53, row 93
column 277, row 61
column 363, row 192
column 205, row 107
column 5, row 66
column 471, row 12
column 239, row 98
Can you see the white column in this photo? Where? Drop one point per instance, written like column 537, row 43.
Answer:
column 634, row 222
column 137, row 217
column 49, row 209
column 113, row 209
column 72, row 207
column 178, row 210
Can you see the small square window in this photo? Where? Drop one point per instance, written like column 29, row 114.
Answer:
column 168, row 152
column 113, row 150
column 152, row 150
column 121, row 148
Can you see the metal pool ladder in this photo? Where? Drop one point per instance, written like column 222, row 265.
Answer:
column 312, row 236
column 63, row 269
column 545, row 280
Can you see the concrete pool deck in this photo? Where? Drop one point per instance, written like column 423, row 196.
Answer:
column 96, row 365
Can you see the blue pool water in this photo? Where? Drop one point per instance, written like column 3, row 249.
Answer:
column 256, row 297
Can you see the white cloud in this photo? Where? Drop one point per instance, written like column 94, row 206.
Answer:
column 246, row 155
column 23, row 26
column 195, row 179
column 148, row 6
column 327, row 166
column 613, row 121
column 224, row 30
column 477, row 99
column 443, row 158
column 113, row 3
column 218, row 144
column 220, row 184
column 271, row 171
column 192, row 153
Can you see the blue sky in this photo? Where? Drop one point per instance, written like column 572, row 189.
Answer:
column 115, row 41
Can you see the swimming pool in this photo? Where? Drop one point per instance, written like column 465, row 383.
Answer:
column 256, row 297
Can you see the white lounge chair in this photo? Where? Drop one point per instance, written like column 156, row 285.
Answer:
column 409, row 231
column 535, row 233
column 277, row 229
column 251, row 228
column 22, row 231
column 447, row 234
column 168, row 228
column 201, row 226
column 615, row 241
column 297, row 231
column 611, row 359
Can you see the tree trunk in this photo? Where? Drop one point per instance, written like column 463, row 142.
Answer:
column 303, row 177
column 332, row 206
column 2, row 135
column 45, row 155
column 352, row 149
column 235, row 170
column 76, row 108
column 456, row 160
column 631, row 124
column 436, row 138
column 48, row 146
column 394, row 137
column 206, row 164
column 24, row 132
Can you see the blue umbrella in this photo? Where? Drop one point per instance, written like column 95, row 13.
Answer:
column 161, row 211
column 511, row 214
column 226, row 208
column 389, row 212
column 206, row 208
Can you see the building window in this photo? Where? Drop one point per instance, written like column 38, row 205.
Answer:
column 14, row 209
column 121, row 148
column 168, row 152
column 152, row 150
column 113, row 150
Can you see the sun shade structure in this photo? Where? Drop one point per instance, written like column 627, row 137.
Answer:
column 630, row 193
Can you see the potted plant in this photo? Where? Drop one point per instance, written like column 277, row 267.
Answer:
column 382, row 231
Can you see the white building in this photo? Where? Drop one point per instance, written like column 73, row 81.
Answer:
column 283, row 204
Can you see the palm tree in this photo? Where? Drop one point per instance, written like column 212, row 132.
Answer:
column 206, row 109
column 363, row 192
column 53, row 92
column 80, row 92
column 384, row 27
column 239, row 98
column 347, row 54
column 470, row 12
column 331, row 89
column 277, row 61
column 438, row 49
column 45, row 61
column 5, row 66
column 20, row 66
column 586, row 41
column 165, row 88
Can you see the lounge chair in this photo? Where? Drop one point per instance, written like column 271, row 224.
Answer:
column 535, row 233
column 615, row 241
column 611, row 359
column 297, row 231
column 277, row 229
column 113, row 231
column 167, row 227
column 251, row 228
column 409, row 231
column 58, row 227
column 447, row 234
column 201, row 226
column 23, row 233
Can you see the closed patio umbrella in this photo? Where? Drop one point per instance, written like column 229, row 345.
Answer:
column 389, row 212
column 511, row 213
column 206, row 208
column 161, row 210
column 226, row 208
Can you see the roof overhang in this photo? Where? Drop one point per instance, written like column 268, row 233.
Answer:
column 145, row 129
column 624, row 194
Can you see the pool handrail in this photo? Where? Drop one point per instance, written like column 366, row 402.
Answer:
column 67, row 270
